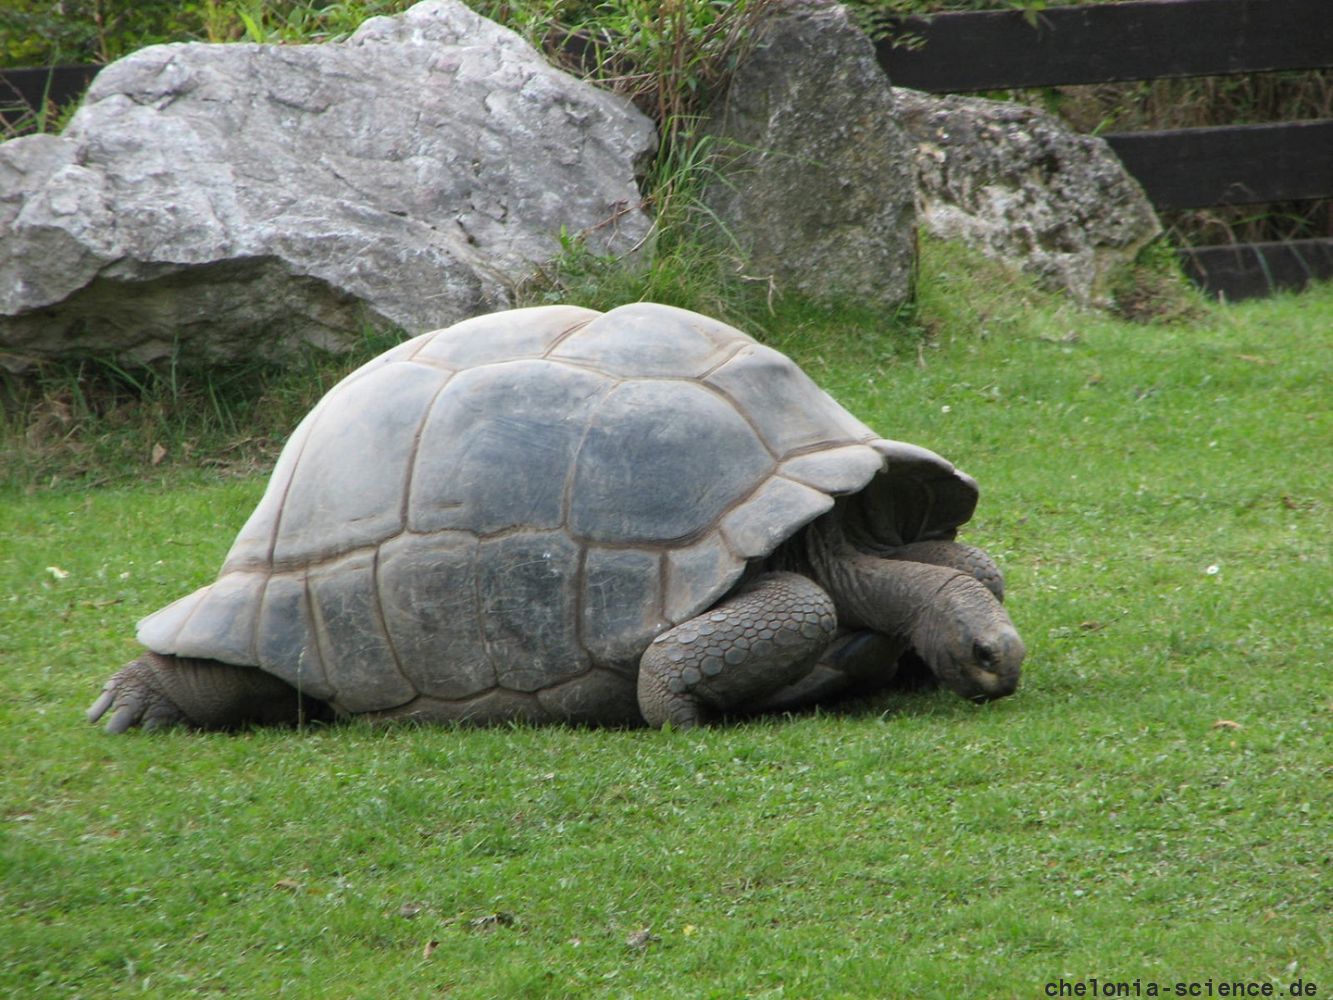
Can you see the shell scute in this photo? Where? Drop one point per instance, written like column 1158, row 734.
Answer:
column 807, row 417
column 778, row 508
column 528, row 589
column 834, row 470
column 285, row 626
column 662, row 461
column 643, row 340
column 359, row 662
column 599, row 696
column 428, row 596
column 253, row 547
column 621, row 603
column 158, row 631
column 216, row 622
column 504, row 336
column 347, row 488
column 498, row 445
column 695, row 572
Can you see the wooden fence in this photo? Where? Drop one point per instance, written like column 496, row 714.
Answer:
column 23, row 92
column 1155, row 39
column 1098, row 43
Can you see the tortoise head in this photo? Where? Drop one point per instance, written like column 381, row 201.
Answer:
column 968, row 641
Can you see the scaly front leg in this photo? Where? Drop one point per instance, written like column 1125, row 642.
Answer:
column 762, row 638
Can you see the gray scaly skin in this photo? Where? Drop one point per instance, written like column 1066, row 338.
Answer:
column 968, row 558
column 765, row 636
column 948, row 612
column 157, row 691
column 944, row 613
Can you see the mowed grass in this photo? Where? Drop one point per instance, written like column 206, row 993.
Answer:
column 1153, row 805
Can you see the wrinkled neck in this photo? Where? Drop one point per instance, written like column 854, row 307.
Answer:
column 870, row 592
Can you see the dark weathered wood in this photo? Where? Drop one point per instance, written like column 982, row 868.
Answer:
column 1233, row 165
column 23, row 90
column 1253, row 270
column 1099, row 43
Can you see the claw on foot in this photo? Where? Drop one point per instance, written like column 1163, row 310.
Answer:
column 134, row 698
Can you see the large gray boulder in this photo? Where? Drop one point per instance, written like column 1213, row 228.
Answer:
column 816, row 187
column 241, row 200
column 1020, row 186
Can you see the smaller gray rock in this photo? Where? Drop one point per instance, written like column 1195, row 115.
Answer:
column 1020, row 186
column 816, row 182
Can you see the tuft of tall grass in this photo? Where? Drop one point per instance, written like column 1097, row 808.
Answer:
column 669, row 58
column 84, row 423
column 676, row 264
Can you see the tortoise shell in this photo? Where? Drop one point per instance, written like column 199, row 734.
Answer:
column 494, row 520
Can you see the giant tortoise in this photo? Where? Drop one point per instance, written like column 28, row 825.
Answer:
column 555, row 514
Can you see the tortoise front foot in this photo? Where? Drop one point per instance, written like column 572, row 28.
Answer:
column 759, row 640
column 135, row 696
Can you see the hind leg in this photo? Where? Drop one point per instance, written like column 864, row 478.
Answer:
column 156, row 691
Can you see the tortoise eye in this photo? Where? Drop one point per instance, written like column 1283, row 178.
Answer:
column 982, row 653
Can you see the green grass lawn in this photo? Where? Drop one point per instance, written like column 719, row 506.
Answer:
column 1153, row 805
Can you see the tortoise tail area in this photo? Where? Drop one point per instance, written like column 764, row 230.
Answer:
column 158, row 690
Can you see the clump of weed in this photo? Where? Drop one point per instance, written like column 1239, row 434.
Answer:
column 87, row 422
column 673, row 265
column 1153, row 289
column 671, row 60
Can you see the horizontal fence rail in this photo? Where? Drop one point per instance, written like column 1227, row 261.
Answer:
column 1231, row 165
column 1104, row 43
column 1155, row 39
